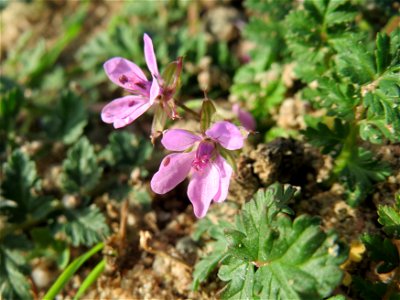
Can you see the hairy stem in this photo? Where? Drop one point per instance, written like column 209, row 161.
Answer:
column 349, row 150
column 189, row 110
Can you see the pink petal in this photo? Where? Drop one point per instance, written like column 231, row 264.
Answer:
column 119, row 70
column 178, row 139
column 173, row 170
column 245, row 118
column 125, row 110
column 150, row 56
column 227, row 134
column 203, row 187
column 225, row 172
column 155, row 90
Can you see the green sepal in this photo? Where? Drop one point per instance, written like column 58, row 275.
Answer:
column 229, row 156
column 158, row 124
column 206, row 115
column 171, row 74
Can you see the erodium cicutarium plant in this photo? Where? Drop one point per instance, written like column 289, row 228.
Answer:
column 197, row 156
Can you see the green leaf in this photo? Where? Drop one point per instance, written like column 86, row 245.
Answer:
column 389, row 217
column 80, row 172
column 45, row 245
column 339, row 98
column 83, row 226
column 68, row 119
column 330, row 140
column 241, row 279
column 277, row 10
column 311, row 30
column 19, row 185
column 369, row 290
column 218, row 246
column 208, row 263
column 383, row 109
column 382, row 52
column 122, row 40
column 126, row 150
column 381, row 250
column 337, row 297
column 361, row 170
column 13, row 273
column 354, row 61
column 294, row 260
column 46, row 58
column 10, row 104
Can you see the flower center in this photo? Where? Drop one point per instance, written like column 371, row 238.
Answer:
column 199, row 163
column 203, row 155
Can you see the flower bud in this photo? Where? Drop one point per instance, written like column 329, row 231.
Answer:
column 171, row 76
column 206, row 115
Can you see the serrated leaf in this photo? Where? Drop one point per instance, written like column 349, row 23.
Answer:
column 381, row 250
column 208, row 263
column 277, row 10
column 361, row 170
column 68, row 119
column 45, row 245
column 20, row 177
column 354, row 61
column 13, row 271
column 84, row 226
column 19, row 186
column 337, row 297
column 241, row 279
column 383, row 109
column 80, row 169
column 294, row 260
column 330, row 140
column 339, row 98
column 373, row 290
column 369, row 290
column 10, row 104
column 310, row 31
column 382, row 52
column 121, row 40
column 389, row 217
column 127, row 150
column 218, row 248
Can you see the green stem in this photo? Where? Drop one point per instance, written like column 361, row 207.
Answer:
column 189, row 110
column 349, row 149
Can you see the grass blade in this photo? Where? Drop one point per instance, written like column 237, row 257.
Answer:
column 70, row 271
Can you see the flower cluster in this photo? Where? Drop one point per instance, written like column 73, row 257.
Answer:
column 199, row 156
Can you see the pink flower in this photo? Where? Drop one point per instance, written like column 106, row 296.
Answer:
column 123, row 111
column 245, row 118
column 208, row 170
